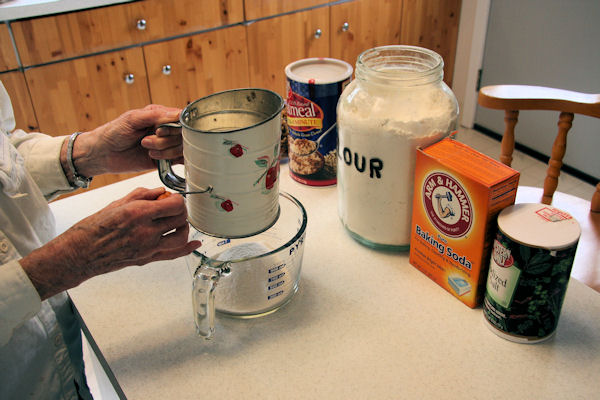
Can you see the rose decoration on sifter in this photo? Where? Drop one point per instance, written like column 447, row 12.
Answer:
column 223, row 204
column 235, row 149
column 271, row 167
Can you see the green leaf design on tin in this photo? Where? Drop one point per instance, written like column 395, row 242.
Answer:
column 261, row 163
column 562, row 267
column 539, row 264
column 535, row 262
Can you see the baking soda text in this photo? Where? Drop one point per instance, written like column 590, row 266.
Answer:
column 441, row 248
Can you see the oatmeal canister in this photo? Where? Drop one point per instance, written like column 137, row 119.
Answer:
column 314, row 86
column 529, row 271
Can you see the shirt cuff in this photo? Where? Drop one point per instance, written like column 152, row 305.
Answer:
column 19, row 300
column 45, row 167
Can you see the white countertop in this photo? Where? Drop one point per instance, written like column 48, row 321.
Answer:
column 363, row 325
column 17, row 9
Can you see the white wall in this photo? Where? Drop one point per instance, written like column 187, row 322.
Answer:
column 469, row 56
column 548, row 43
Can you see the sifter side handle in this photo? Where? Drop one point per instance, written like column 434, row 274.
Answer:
column 166, row 174
column 165, row 170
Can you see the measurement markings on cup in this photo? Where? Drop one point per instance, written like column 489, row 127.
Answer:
column 277, row 268
column 275, row 295
column 276, row 277
column 276, row 285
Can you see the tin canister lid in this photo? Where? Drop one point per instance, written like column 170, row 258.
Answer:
column 318, row 70
column 539, row 225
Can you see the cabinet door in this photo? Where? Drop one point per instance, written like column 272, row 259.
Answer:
column 14, row 83
column 185, row 69
column 274, row 43
column 8, row 58
column 433, row 24
column 84, row 93
column 57, row 37
column 363, row 24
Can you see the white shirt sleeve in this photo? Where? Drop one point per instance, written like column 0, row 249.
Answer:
column 19, row 300
column 40, row 152
column 42, row 160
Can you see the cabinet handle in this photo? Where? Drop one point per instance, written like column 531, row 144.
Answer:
column 141, row 24
column 166, row 69
column 345, row 27
column 129, row 79
column 318, row 33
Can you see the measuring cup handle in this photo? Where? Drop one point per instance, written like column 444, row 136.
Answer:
column 203, row 300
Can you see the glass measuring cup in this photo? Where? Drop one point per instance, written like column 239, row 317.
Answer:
column 248, row 277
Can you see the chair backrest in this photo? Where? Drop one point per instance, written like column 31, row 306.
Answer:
column 513, row 98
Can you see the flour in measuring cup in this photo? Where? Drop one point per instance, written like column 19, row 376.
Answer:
column 251, row 284
column 244, row 250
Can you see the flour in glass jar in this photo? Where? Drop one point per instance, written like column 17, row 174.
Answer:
column 380, row 127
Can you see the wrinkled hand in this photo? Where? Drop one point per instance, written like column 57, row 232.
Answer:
column 134, row 230
column 129, row 143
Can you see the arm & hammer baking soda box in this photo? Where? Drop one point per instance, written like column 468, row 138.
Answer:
column 458, row 193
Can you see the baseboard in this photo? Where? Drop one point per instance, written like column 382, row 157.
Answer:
column 592, row 180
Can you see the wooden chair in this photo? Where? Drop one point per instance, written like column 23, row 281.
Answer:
column 512, row 99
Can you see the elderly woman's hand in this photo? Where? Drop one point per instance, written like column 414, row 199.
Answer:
column 135, row 230
column 129, row 143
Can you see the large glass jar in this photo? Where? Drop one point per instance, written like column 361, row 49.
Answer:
column 396, row 103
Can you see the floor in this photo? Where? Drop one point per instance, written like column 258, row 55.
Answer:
column 532, row 170
column 532, row 174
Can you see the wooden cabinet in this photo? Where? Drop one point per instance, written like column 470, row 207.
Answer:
column 84, row 93
column 274, row 43
column 8, row 58
column 363, row 24
column 62, row 36
column 15, row 85
column 433, row 24
column 185, row 69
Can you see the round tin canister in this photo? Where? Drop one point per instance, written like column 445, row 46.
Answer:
column 530, row 266
column 314, row 86
column 231, row 143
